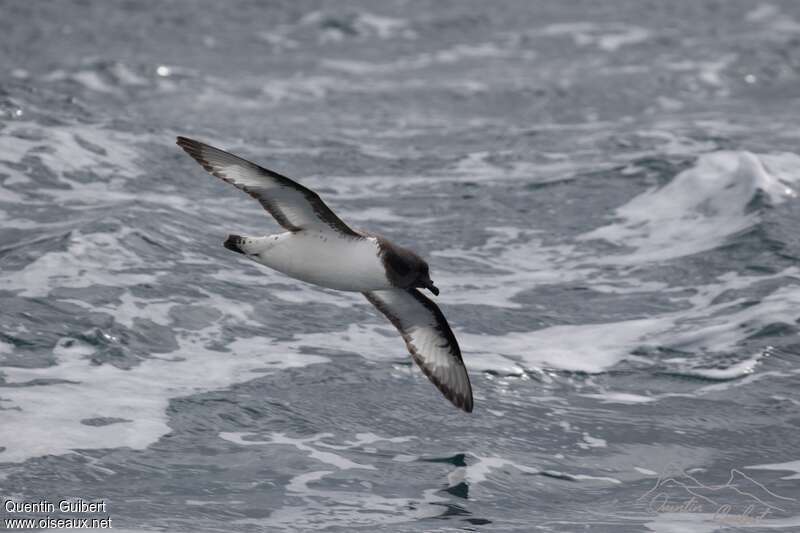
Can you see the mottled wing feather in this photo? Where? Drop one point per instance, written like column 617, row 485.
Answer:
column 294, row 207
column 429, row 339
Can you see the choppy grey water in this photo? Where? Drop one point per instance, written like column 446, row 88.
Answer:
column 607, row 193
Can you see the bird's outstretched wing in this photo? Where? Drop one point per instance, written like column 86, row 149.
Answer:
column 429, row 339
column 294, row 207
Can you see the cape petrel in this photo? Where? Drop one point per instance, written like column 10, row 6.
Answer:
column 318, row 247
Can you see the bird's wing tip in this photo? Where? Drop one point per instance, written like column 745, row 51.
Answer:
column 462, row 401
column 183, row 142
column 196, row 149
column 467, row 407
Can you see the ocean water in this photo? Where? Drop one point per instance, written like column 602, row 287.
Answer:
column 608, row 197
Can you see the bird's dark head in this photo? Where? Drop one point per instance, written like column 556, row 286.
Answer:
column 405, row 269
column 424, row 279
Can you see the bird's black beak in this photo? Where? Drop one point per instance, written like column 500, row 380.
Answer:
column 431, row 287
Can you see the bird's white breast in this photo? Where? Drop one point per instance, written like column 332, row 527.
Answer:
column 323, row 258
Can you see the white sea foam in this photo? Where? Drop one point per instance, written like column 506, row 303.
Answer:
column 92, row 80
column 700, row 208
column 762, row 12
column 139, row 395
column 337, row 26
column 103, row 78
column 479, row 471
column 311, row 446
column 710, row 73
column 455, row 54
column 323, row 508
column 61, row 149
column 304, row 445
column 300, row 88
column 90, row 259
column 789, row 466
column 620, row 397
column 713, row 522
column 73, row 154
column 385, row 27
column 773, row 18
column 363, row 23
column 5, row 348
column 591, row 442
column 607, row 37
column 706, row 327
column 610, row 42
column 521, row 262
column 479, row 166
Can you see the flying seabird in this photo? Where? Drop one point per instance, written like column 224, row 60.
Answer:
column 318, row 247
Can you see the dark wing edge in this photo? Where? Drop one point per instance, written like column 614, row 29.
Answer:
column 213, row 160
column 462, row 401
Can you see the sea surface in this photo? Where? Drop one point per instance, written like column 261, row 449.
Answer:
column 607, row 193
